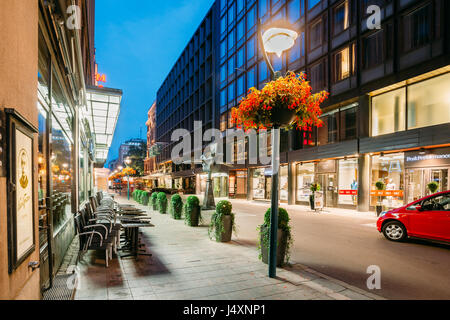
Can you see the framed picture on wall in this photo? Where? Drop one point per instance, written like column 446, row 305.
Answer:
column 21, row 189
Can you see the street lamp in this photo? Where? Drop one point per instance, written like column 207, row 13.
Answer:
column 128, row 162
column 279, row 37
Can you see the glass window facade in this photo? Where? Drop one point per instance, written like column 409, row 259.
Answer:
column 429, row 102
column 348, row 182
column 284, row 183
column 305, row 177
column 389, row 169
column 388, row 112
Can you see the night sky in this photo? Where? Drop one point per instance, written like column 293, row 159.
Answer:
column 137, row 43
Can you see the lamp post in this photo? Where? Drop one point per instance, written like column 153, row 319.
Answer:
column 276, row 39
column 128, row 162
column 120, row 168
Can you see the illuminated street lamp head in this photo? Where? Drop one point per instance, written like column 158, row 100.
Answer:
column 120, row 168
column 279, row 39
column 127, row 160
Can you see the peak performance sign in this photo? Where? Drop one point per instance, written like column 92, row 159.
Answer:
column 433, row 158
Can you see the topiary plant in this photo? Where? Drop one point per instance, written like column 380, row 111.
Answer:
column 162, row 202
column 145, row 197
column 380, row 185
column 283, row 224
column 433, row 186
column 192, row 211
column 176, row 206
column 154, row 200
column 223, row 208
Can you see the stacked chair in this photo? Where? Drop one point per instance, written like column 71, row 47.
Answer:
column 98, row 225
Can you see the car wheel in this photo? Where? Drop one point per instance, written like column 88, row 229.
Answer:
column 395, row 231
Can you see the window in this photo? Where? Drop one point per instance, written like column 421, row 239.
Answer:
column 223, row 4
column 240, row 5
column 223, row 24
column 251, row 18
column 240, row 30
column 317, row 76
column 342, row 65
column 223, row 122
column 389, row 169
column 241, row 86
column 348, row 123
column 294, row 11
column 348, row 182
column 223, row 48
column 328, row 133
column 312, row 3
column 231, row 40
column 231, row 14
column 417, row 28
column 231, row 66
column 251, row 47
column 223, row 73
column 316, row 33
column 231, row 94
column 298, row 50
column 388, row 112
column 373, row 50
column 341, row 17
column 263, row 7
column 251, row 78
column 262, row 71
column 223, row 98
column 429, row 102
column 438, row 203
column 240, row 57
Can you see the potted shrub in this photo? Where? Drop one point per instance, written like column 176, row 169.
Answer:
column 176, row 206
column 222, row 222
column 162, row 203
column 284, row 238
column 380, row 186
column 154, row 201
column 433, row 186
column 312, row 198
column 192, row 212
column 145, row 198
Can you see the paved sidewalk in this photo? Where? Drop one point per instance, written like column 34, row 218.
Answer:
column 186, row 265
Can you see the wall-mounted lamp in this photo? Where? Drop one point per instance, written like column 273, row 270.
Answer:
column 422, row 151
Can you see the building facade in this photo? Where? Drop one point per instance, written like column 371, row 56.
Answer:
column 48, row 140
column 124, row 149
column 387, row 118
column 152, row 147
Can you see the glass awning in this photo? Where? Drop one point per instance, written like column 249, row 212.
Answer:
column 102, row 114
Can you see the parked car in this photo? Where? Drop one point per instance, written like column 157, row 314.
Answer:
column 427, row 218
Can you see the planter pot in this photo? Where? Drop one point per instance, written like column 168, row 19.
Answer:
column 154, row 207
column 311, row 202
column 281, row 247
column 379, row 210
column 283, row 117
column 176, row 215
column 195, row 213
column 225, row 236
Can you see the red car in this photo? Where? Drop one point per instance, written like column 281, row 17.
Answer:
column 427, row 218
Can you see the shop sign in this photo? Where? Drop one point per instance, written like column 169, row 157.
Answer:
column 326, row 166
column 434, row 157
column 348, row 192
column 241, row 174
column 318, row 200
column 386, row 193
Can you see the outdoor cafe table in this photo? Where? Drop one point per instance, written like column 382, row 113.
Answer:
column 131, row 227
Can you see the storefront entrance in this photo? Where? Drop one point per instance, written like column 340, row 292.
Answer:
column 423, row 167
column 328, row 183
column 418, row 179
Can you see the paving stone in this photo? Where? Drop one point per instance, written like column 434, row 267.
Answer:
column 187, row 265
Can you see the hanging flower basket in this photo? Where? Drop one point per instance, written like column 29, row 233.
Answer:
column 286, row 102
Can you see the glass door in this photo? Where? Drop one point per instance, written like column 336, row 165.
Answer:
column 418, row 179
column 328, row 185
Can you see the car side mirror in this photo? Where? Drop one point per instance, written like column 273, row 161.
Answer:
column 419, row 207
